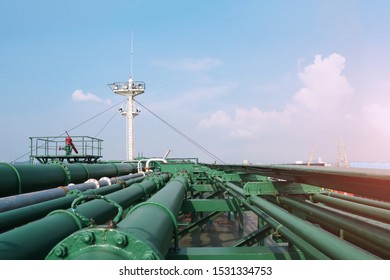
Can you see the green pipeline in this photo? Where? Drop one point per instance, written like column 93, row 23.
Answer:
column 145, row 234
column 25, row 178
column 35, row 240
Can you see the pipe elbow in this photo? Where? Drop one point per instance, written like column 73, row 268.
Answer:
column 154, row 160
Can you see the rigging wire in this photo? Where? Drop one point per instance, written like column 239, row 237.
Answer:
column 84, row 122
column 104, row 126
column 95, row 116
column 182, row 134
column 154, row 114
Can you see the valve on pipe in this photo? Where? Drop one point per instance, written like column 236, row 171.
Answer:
column 69, row 145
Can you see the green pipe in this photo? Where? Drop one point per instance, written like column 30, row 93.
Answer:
column 374, row 183
column 371, row 212
column 326, row 242
column 377, row 250
column 145, row 233
column 309, row 250
column 35, row 240
column 9, row 203
column 368, row 232
column 361, row 200
column 24, row 178
column 20, row 200
column 231, row 186
column 317, row 237
column 23, row 215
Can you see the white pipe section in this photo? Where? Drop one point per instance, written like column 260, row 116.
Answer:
column 139, row 167
column 154, row 160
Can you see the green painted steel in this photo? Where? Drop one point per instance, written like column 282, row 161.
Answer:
column 17, row 217
column 237, row 253
column 360, row 200
column 332, row 246
column 266, row 207
column 255, row 237
column 202, row 188
column 21, row 200
column 324, row 241
column 371, row 212
column 144, row 234
column 199, row 223
column 210, row 205
column 35, row 240
column 368, row 232
column 372, row 183
column 24, row 178
column 309, row 250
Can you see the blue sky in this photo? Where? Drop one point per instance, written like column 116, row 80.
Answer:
column 264, row 81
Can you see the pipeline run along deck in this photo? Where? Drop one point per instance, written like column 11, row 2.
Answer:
column 182, row 209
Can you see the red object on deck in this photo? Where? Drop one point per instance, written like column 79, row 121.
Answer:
column 69, row 141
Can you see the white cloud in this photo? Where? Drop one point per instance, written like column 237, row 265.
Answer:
column 79, row 96
column 190, row 64
column 244, row 124
column 317, row 113
column 324, row 86
column 322, row 97
column 324, row 94
column 219, row 118
column 194, row 97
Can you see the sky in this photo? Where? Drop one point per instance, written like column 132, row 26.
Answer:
column 255, row 81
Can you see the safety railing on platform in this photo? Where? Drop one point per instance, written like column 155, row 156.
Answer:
column 75, row 148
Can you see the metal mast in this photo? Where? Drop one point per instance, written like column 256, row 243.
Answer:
column 129, row 89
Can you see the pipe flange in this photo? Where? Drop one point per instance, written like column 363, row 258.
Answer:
column 66, row 170
column 85, row 169
column 16, row 173
column 166, row 210
column 142, row 187
column 116, row 168
column 115, row 243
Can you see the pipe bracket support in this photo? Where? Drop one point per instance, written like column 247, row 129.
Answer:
column 84, row 198
column 74, row 192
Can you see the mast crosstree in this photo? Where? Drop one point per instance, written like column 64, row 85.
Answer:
column 129, row 89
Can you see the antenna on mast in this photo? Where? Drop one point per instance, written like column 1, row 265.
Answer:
column 131, row 56
column 129, row 89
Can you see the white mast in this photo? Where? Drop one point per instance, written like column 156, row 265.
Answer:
column 129, row 89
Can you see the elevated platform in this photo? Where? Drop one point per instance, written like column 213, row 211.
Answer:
column 82, row 149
